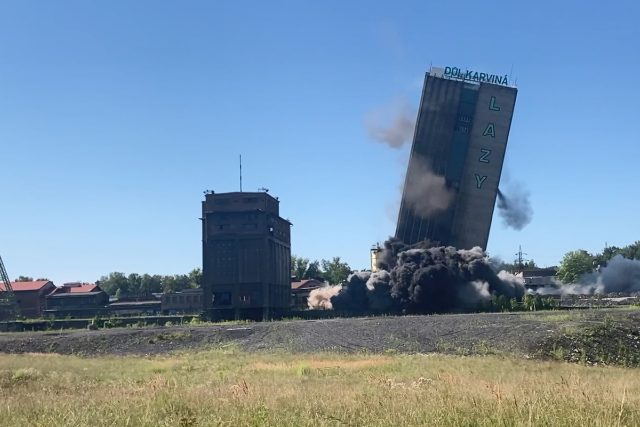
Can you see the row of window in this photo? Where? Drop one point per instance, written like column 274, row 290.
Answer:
column 183, row 299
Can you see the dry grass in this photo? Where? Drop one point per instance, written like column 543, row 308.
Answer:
column 230, row 387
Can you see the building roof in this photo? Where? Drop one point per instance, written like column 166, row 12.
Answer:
column 87, row 287
column 306, row 284
column 35, row 285
column 540, row 272
column 71, row 295
column 80, row 289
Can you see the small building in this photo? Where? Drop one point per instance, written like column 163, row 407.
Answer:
column 300, row 291
column 538, row 278
column 30, row 296
column 77, row 300
column 185, row 301
column 123, row 307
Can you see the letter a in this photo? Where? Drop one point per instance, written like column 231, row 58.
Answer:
column 492, row 104
column 480, row 180
column 490, row 130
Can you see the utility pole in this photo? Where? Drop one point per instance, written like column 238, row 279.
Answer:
column 520, row 258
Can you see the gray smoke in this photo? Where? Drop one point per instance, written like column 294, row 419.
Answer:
column 620, row 275
column 425, row 192
column 423, row 279
column 392, row 125
column 515, row 209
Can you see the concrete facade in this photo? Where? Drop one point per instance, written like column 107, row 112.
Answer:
column 460, row 137
column 246, row 256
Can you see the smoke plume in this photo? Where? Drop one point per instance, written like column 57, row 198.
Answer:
column 392, row 125
column 422, row 279
column 515, row 209
column 425, row 192
column 320, row 299
column 620, row 275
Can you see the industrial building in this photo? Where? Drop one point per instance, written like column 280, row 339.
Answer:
column 456, row 158
column 30, row 296
column 246, row 256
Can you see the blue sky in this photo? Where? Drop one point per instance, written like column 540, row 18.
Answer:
column 115, row 116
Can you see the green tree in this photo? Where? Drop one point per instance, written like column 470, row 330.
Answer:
column 314, row 271
column 134, row 284
column 335, row 271
column 574, row 265
column 24, row 279
column 114, row 281
column 169, row 284
column 195, row 278
column 528, row 302
column 150, row 284
column 632, row 251
column 299, row 266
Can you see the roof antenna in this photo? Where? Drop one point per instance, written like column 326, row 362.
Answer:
column 241, row 173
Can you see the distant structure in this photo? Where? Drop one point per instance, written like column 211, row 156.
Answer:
column 456, row 158
column 30, row 296
column 76, row 299
column 246, row 256
column 375, row 254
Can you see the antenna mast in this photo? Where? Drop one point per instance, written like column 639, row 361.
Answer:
column 520, row 259
column 241, row 173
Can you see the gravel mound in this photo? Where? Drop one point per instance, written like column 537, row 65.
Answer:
column 550, row 334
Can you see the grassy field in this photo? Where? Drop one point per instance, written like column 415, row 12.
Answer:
column 235, row 388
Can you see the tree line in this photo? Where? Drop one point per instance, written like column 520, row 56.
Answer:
column 334, row 271
column 136, row 285
column 577, row 263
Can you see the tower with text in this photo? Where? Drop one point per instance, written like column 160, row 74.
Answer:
column 460, row 141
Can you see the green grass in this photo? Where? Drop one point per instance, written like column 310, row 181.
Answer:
column 226, row 386
column 554, row 316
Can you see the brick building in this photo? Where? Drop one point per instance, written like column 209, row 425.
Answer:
column 77, row 300
column 30, row 296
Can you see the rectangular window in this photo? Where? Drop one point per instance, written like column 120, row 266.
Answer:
column 222, row 298
column 245, row 299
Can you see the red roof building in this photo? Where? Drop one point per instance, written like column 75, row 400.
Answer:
column 300, row 291
column 77, row 300
column 30, row 296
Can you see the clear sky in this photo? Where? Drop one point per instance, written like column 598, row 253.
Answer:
column 116, row 115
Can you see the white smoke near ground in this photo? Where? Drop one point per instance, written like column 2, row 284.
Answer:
column 425, row 192
column 620, row 276
column 320, row 299
column 392, row 125
column 505, row 276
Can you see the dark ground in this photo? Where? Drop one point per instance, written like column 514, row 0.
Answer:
column 610, row 336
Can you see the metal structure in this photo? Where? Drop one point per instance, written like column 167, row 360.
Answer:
column 8, row 307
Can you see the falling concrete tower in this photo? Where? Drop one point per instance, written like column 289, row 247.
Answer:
column 456, row 158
